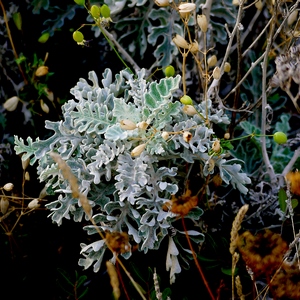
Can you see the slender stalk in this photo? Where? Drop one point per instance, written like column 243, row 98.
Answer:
column 196, row 262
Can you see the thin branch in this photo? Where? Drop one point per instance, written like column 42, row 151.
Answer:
column 291, row 163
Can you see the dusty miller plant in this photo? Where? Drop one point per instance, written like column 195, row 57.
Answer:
column 125, row 140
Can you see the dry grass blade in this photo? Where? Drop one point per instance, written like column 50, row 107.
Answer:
column 114, row 280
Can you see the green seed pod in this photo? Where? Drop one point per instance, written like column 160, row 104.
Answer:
column 169, row 71
column 80, row 2
column 186, row 100
column 95, row 11
column 105, row 11
column 280, row 137
column 78, row 36
column 44, row 37
column 18, row 20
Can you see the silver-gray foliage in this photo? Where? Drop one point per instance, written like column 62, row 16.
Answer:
column 128, row 193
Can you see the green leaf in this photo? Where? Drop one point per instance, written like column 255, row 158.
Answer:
column 17, row 20
column 281, row 199
column 228, row 271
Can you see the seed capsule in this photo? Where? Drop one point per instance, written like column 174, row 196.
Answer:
column 142, row 125
column 194, row 47
column 44, row 106
column 202, row 23
column 78, row 36
column 187, row 136
column 216, row 146
column 95, row 11
column 41, row 71
column 11, row 103
column 165, row 135
column 8, row 187
column 33, row 204
column 189, row 110
column 227, row 67
column 4, row 204
column 227, row 136
column 169, row 71
column 186, row 100
column 180, row 42
column 105, row 11
column 44, row 37
column 216, row 73
column 212, row 61
column 138, row 150
column 162, row 3
column 127, row 125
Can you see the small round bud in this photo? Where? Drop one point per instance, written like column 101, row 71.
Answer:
column 227, row 136
column 165, row 135
column 216, row 73
column 162, row 3
column 186, row 100
column 80, row 2
column 8, row 187
column 11, row 103
column 280, row 137
column 227, row 67
column 105, row 11
column 180, row 42
column 187, row 136
column 33, row 204
column 138, row 150
column 44, row 37
column 236, row 2
column 169, row 71
column 189, row 110
column 127, row 125
column 44, row 106
column 78, row 36
column 41, row 71
column 202, row 23
column 212, row 61
column 95, row 11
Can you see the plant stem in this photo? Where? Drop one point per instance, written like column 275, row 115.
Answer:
column 196, row 262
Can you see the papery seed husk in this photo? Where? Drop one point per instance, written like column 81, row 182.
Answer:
column 8, row 187
column 127, row 125
column 202, row 23
column 292, row 17
column 227, row 67
column 189, row 110
column 27, row 176
column 259, row 5
column 11, row 103
column 212, row 61
column 216, row 146
column 187, row 136
column 34, row 204
column 4, row 204
column 41, row 71
column 25, row 163
column 165, row 135
column 186, row 7
column 162, row 3
column 227, row 136
column 179, row 41
column 142, row 125
column 216, row 73
column 44, row 106
column 138, row 150
column 194, row 47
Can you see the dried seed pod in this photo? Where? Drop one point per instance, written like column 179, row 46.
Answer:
column 44, row 106
column 142, row 125
column 227, row 67
column 216, row 146
column 292, row 17
column 8, row 187
column 138, row 150
column 259, row 5
column 33, row 204
column 202, row 23
column 187, row 136
column 127, row 125
column 180, row 42
column 165, row 135
column 25, row 163
column 27, row 176
column 162, row 3
column 4, row 204
column 227, row 136
column 194, row 47
column 185, row 9
column 189, row 110
column 11, row 103
column 216, row 73
column 212, row 61
column 41, row 71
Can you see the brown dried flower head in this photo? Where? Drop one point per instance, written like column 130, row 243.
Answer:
column 118, row 241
